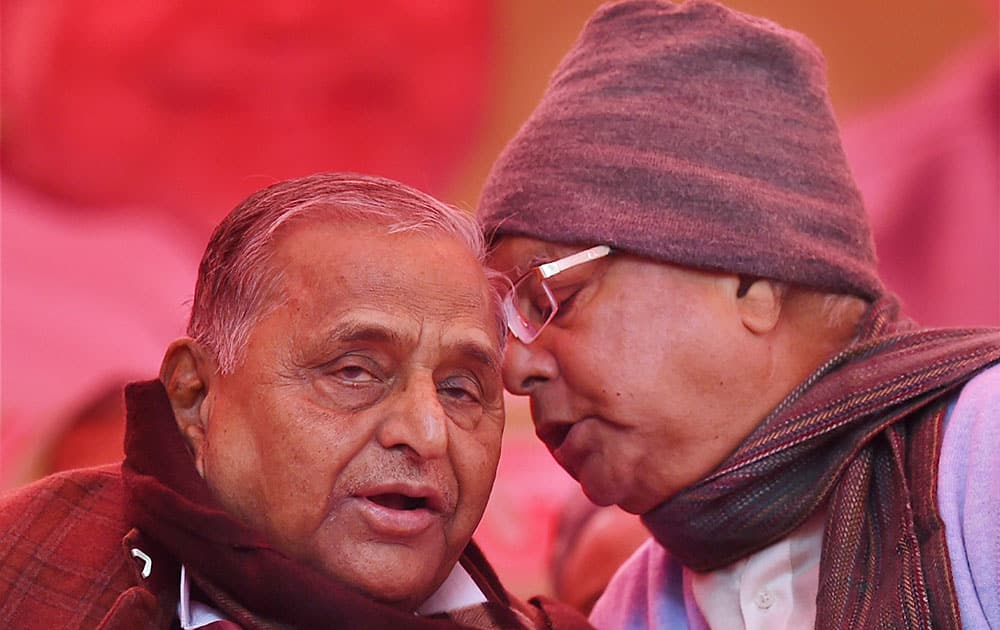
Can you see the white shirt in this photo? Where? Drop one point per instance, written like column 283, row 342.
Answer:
column 773, row 589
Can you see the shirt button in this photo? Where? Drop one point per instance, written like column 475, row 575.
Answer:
column 764, row 599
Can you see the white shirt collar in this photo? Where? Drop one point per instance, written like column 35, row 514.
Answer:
column 193, row 614
column 457, row 591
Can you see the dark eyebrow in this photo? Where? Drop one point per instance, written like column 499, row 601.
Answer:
column 481, row 354
column 539, row 258
column 363, row 331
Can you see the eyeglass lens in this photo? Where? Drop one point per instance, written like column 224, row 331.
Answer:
column 534, row 303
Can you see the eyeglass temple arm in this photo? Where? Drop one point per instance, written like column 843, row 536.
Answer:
column 552, row 268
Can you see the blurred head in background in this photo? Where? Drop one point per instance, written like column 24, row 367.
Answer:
column 187, row 107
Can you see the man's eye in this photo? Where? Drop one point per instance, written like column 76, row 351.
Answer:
column 353, row 373
column 543, row 308
column 462, row 389
column 564, row 297
column 353, row 381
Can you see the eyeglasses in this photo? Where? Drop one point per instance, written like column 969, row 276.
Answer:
column 531, row 303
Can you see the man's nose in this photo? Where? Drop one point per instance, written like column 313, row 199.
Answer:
column 526, row 366
column 417, row 422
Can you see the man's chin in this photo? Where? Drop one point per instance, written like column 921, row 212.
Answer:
column 594, row 484
column 404, row 579
column 406, row 595
column 602, row 493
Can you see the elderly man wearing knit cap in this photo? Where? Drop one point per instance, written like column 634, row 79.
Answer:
column 696, row 316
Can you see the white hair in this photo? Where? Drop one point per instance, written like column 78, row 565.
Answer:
column 237, row 285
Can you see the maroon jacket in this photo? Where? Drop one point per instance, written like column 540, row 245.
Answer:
column 66, row 558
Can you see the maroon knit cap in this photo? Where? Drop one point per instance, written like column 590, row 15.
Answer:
column 695, row 135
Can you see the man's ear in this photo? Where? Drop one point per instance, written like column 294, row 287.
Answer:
column 187, row 373
column 759, row 304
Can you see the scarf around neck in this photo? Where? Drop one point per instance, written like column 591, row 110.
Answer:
column 862, row 436
column 236, row 569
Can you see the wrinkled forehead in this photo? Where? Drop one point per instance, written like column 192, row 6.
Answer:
column 423, row 282
column 373, row 256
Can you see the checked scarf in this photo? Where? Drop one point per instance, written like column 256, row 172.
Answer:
column 862, row 436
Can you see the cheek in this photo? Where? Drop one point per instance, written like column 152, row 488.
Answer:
column 656, row 354
column 277, row 474
column 603, row 367
column 305, row 459
column 233, row 471
column 610, row 340
column 475, row 457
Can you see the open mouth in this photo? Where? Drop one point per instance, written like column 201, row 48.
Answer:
column 397, row 511
column 553, row 435
column 397, row 501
